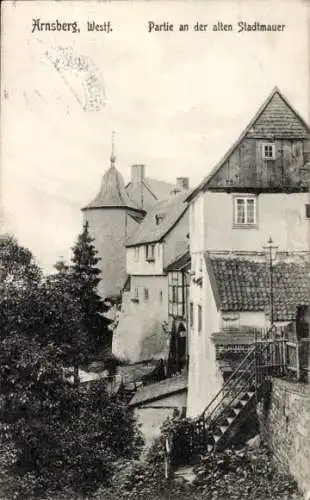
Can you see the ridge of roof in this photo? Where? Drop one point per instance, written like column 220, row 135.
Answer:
column 149, row 231
column 243, row 134
column 158, row 390
column 155, row 187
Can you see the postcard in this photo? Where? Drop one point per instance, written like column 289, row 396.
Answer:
column 154, row 206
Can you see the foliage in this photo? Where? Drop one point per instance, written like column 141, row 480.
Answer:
column 86, row 277
column 55, row 436
column 247, row 474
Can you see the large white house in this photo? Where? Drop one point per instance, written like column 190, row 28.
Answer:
column 258, row 189
column 161, row 237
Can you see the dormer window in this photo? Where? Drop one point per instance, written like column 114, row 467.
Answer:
column 269, row 151
column 150, row 252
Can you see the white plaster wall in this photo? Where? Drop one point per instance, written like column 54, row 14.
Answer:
column 176, row 242
column 257, row 319
column 140, row 265
column 108, row 228
column 152, row 415
column 139, row 335
column 280, row 215
column 204, row 378
column 196, row 224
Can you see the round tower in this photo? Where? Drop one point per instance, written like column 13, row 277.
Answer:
column 107, row 216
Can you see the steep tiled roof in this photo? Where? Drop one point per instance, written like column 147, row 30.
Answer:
column 276, row 119
column 159, row 190
column 159, row 390
column 179, row 263
column 159, row 220
column 112, row 192
column 243, row 284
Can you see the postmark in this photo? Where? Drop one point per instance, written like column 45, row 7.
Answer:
column 80, row 75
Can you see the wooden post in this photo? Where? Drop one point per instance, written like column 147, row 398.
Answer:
column 284, row 355
column 297, row 361
column 168, row 468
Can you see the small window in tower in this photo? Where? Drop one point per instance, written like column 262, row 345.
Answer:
column 307, row 211
column 161, row 296
column 146, row 294
column 269, row 151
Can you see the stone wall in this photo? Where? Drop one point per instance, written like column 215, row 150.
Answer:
column 285, row 424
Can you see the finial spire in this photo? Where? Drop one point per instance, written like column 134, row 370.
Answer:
column 112, row 158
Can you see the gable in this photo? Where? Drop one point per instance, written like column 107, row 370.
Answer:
column 243, row 166
column 278, row 120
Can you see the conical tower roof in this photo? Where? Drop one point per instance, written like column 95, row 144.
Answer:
column 112, row 191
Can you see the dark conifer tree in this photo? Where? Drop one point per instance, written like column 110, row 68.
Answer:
column 86, row 275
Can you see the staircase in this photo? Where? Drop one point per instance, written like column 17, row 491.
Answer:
column 214, row 429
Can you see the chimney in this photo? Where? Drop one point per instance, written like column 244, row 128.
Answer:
column 137, row 174
column 182, row 183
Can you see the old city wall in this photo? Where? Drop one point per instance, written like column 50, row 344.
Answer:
column 285, row 424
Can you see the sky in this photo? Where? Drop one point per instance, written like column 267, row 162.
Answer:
column 176, row 100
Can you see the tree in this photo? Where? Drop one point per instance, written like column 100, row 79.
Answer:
column 85, row 273
column 50, row 448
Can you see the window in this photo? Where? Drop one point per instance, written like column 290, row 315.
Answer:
column 150, row 252
column 307, row 211
column 199, row 309
column 245, row 211
column 135, row 297
column 174, row 293
column 146, row 294
column 269, row 151
column 137, row 253
column 191, row 314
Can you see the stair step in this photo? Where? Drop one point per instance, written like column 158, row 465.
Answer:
column 236, row 411
column 250, row 394
column 223, row 428
column 244, row 402
column 230, row 420
column 246, row 396
column 210, row 447
column 216, row 438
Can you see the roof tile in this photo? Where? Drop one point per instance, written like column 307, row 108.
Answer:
column 244, row 285
column 154, row 228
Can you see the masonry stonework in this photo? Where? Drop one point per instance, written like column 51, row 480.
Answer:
column 285, row 425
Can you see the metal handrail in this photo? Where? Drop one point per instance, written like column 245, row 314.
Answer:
column 230, row 379
column 235, row 394
column 234, row 380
